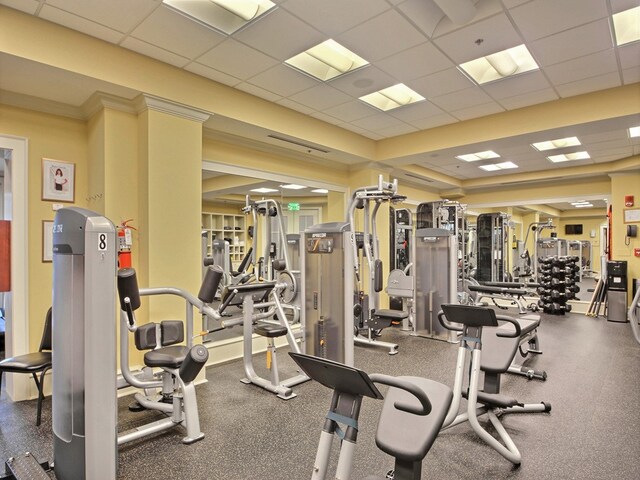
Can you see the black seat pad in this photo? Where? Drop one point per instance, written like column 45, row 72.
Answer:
column 29, row 362
column 270, row 331
column 404, row 435
column 170, row 357
column 393, row 315
column 498, row 352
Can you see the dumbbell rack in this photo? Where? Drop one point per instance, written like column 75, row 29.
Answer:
column 558, row 277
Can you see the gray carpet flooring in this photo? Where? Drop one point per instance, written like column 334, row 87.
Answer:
column 591, row 432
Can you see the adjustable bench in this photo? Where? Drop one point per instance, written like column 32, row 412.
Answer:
column 494, row 292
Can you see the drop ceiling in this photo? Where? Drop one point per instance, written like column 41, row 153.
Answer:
column 406, row 41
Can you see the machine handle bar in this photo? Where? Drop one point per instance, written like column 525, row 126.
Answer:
column 506, row 318
column 447, row 324
column 407, row 386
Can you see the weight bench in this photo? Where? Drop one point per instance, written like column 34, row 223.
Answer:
column 514, row 295
column 492, row 349
column 528, row 336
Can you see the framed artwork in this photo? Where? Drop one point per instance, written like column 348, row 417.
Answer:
column 58, row 180
column 47, row 240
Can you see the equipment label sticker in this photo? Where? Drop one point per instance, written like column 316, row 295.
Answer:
column 102, row 242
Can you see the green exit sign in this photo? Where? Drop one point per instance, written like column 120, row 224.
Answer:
column 293, row 206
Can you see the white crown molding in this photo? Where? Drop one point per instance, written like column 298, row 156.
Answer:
column 100, row 100
column 28, row 102
column 149, row 102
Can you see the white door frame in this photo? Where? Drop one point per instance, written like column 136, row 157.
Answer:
column 17, row 336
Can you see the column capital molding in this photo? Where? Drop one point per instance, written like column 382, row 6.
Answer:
column 150, row 102
column 101, row 100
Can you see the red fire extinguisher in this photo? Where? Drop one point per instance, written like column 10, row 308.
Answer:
column 124, row 244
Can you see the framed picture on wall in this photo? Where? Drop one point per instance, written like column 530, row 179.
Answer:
column 47, row 240
column 58, row 180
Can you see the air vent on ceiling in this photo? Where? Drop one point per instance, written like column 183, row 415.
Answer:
column 300, row 144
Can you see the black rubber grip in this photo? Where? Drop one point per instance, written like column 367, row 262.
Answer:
column 208, row 261
column 278, row 265
column 128, row 288
column 210, row 283
column 193, row 363
column 377, row 275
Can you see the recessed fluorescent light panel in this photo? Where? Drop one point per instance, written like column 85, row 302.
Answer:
column 327, row 60
column 558, row 143
column 320, row 190
column 583, row 204
column 498, row 166
column 627, row 26
column 392, row 97
column 500, row 65
column 566, row 157
column 263, row 190
column 473, row 157
column 227, row 16
column 293, row 186
column 634, row 132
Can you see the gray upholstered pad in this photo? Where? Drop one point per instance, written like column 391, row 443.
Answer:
column 391, row 314
column 404, row 435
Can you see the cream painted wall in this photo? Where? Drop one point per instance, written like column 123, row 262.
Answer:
column 60, row 139
column 625, row 184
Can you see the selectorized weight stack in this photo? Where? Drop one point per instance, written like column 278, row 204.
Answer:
column 84, row 346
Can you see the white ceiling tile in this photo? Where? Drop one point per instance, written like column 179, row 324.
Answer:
column 258, row 92
column 477, row 111
column 497, row 34
column 285, row 102
column 631, row 75
column 573, row 43
column 516, row 85
column 396, row 130
column 607, row 136
column 110, row 14
column 415, row 62
column 441, row 83
column 176, row 33
column 382, row 36
column 154, row 52
column 80, row 24
column 280, row 35
column 362, row 131
column 363, row 81
column 432, row 122
column 320, row 97
column 236, row 59
column 29, row 6
column 416, row 111
column 424, row 14
column 377, row 121
column 484, row 10
column 283, row 80
column 350, row 111
column 513, row 3
column 333, row 17
column 600, row 82
column 212, row 74
column 527, row 99
column 629, row 55
column 608, row 146
column 461, row 99
column 541, row 18
column 636, row 149
column 326, row 118
column 583, row 67
column 622, row 5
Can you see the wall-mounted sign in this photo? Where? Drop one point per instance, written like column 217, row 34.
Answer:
column 293, row 207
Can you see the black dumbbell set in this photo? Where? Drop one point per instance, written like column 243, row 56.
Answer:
column 558, row 283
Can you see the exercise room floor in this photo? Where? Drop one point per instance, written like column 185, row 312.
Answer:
column 591, row 432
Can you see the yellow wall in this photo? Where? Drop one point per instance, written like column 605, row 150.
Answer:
column 60, row 139
column 621, row 185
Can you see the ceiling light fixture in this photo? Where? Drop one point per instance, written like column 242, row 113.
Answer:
column 472, row 157
column 634, row 132
column 584, row 205
column 392, row 97
column 500, row 65
column 226, row 16
column 264, row 190
column 293, row 186
column 327, row 60
column 498, row 166
column 566, row 157
column 626, row 26
column 320, row 190
column 558, row 143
